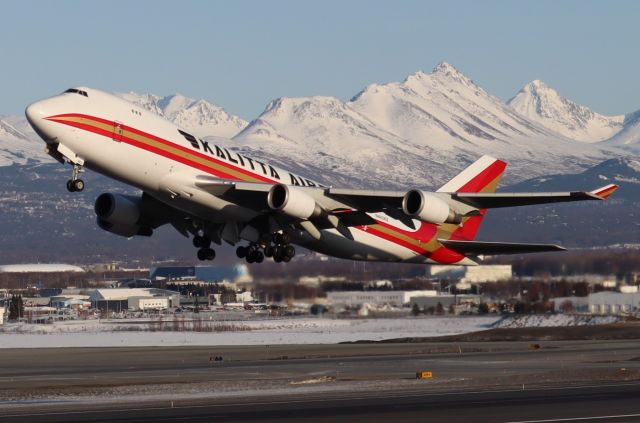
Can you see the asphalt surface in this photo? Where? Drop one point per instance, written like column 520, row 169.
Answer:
column 484, row 381
column 608, row 403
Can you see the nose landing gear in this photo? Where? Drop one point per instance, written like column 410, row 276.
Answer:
column 75, row 184
column 203, row 243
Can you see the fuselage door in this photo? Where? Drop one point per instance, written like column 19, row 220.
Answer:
column 117, row 131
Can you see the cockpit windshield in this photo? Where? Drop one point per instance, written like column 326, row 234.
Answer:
column 76, row 91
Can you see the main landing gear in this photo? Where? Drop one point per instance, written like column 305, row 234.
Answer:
column 203, row 243
column 279, row 248
column 75, row 184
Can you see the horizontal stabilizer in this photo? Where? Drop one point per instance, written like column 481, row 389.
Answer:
column 491, row 248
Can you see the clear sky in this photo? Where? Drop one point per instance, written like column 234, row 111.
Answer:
column 242, row 54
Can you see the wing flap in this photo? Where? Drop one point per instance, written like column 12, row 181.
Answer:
column 490, row 248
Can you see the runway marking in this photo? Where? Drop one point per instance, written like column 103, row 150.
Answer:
column 575, row 419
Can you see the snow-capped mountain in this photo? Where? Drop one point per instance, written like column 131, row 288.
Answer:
column 629, row 137
column 17, row 147
column 327, row 139
column 198, row 116
column 419, row 131
column 540, row 103
column 624, row 172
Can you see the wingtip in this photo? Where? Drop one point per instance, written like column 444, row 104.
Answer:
column 605, row 191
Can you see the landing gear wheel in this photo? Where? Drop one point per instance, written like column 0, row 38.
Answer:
column 206, row 254
column 201, row 255
column 78, row 185
column 289, row 251
column 201, row 241
column 241, row 252
column 281, row 238
column 268, row 251
column 259, row 257
column 210, row 253
column 70, row 187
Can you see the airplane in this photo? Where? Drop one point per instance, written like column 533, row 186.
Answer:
column 211, row 193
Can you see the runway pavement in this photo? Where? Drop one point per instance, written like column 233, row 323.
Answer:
column 602, row 403
column 487, row 381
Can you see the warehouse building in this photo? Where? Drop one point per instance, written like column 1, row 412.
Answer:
column 607, row 302
column 117, row 299
column 214, row 274
column 358, row 298
column 472, row 274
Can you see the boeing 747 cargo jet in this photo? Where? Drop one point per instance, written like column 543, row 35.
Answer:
column 214, row 194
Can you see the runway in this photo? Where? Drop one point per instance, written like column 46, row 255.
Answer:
column 610, row 403
column 484, row 381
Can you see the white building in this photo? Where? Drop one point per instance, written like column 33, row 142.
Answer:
column 614, row 303
column 606, row 302
column 148, row 303
column 40, row 268
column 393, row 298
column 118, row 298
column 472, row 274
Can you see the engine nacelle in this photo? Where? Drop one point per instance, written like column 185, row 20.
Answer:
column 120, row 215
column 292, row 202
column 428, row 208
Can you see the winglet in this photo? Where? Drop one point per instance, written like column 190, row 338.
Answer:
column 605, row 192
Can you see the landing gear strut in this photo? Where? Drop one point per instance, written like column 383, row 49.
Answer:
column 75, row 184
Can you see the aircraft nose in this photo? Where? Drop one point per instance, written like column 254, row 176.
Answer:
column 35, row 112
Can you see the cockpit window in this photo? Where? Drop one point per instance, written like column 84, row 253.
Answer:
column 73, row 90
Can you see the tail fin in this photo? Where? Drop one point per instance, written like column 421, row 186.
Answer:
column 482, row 176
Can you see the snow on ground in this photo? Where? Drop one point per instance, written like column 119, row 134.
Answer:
column 551, row 320
column 241, row 332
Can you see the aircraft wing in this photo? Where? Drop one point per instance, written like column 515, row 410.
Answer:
column 367, row 200
column 490, row 248
column 371, row 201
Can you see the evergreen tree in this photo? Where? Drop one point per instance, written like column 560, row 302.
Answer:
column 13, row 309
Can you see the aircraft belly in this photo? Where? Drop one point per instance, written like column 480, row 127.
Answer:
column 363, row 246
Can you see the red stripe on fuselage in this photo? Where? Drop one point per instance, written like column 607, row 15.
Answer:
column 425, row 234
column 159, row 151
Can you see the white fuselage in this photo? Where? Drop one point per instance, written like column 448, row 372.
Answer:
column 123, row 141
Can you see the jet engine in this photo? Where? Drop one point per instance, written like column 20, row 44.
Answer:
column 428, row 207
column 120, row 215
column 292, row 202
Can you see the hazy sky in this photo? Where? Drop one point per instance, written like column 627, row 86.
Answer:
column 242, row 54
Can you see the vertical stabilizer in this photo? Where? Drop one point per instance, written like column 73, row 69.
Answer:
column 483, row 175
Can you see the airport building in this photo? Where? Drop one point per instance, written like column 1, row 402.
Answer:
column 472, row 274
column 607, row 302
column 465, row 302
column 40, row 268
column 359, row 298
column 212, row 274
column 122, row 299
